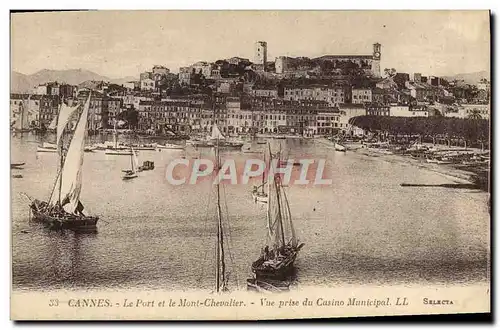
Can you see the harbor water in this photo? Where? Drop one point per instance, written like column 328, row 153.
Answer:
column 363, row 228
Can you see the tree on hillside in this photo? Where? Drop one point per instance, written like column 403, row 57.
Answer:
column 389, row 72
column 475, row 114
column 130, row 116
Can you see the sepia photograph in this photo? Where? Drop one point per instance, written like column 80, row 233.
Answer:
column 249, row 164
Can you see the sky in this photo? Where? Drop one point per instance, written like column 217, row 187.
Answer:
column 124, row 43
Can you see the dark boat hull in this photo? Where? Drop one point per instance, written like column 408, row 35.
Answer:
column 129, row 176
column 277, row 270
column 282, row 271
column 77, row 223
column 16, row 165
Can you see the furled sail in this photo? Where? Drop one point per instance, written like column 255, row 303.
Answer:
column 65, row 113
column 279, row 219
column 216, row 134
column 71, row 172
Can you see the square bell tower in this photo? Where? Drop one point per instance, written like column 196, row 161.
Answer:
column 376, row 60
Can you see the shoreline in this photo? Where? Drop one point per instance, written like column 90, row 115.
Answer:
column 448, row 170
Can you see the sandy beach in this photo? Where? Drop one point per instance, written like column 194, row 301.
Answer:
column 450, row 170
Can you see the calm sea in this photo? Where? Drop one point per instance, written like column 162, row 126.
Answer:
column 363, row 228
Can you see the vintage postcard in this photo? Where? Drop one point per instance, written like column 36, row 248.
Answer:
column 249, row 165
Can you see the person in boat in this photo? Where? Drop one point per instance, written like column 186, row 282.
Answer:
column 266, row 253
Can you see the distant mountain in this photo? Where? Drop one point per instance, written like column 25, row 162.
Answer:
column 470, row 78
column 121, row 81
column 21, row 83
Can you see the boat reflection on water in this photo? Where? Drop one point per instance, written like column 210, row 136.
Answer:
column 69, row 251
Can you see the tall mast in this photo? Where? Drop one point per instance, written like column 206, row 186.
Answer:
column 263, row 173
column 114, row 135
column 278, row 198
column 221, row 267
column 61, row 155
column 22, row 117
column 132, row 159
column 278, row 202
column 289, row 215
column 269, row 221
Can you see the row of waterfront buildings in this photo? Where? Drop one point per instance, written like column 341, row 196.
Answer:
column 232, row 114
column 282, row 100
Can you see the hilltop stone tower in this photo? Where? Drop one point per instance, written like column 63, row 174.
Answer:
column 261, row 54
column 377, row 48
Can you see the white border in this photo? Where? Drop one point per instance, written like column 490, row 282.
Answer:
column 185, row 4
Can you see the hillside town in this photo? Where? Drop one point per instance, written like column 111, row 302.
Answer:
column 295, row 96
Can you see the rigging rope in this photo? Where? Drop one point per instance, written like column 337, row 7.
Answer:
column 205, row 231
column 228, row 237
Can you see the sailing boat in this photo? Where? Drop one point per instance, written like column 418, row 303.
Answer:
column 61, row 121
column 116, row 149
column 21, row 123
column 277, row 258
column 218, row 137
column 337, row 143
column 258, row 193
column 221, row 140
column 134, row 163
column 64, row 210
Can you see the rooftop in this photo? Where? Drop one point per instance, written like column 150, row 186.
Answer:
column 351, row 105
column 334, row 57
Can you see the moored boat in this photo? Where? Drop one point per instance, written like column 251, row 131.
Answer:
column 16, row 165
column 119, row 152
column 117, row 149
column 89, row 149
column 340, row 147
column 42, row 149
column 47, row 147
column 169, row 146
column 219, row 138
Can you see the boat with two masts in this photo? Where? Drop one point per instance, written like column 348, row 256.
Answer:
column 116, row 149
column 220, row 139
column 278, row 256
column 64, row 210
